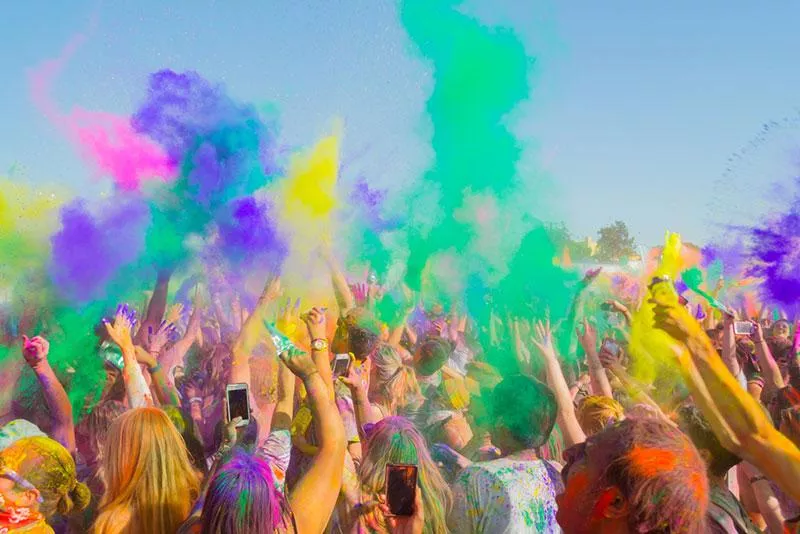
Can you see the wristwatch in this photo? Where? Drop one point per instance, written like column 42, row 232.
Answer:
column 319, row 344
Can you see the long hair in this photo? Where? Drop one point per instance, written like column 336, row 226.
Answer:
column 49, row 467
column 395, row 385
column 150, row 484
column 395, row 440
column 242, row 499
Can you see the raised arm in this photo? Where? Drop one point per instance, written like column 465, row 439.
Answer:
column 729, row 346
column 136, row 388
column 156, row 307
column 738, row 420
column 567, row 420
column 317, row 325
column 35, row 351
column 284, row 408
column 597, row 373
column 165, row 392
column 344, row 296
column 773, row 380
column 357, row 380
column 316, row 492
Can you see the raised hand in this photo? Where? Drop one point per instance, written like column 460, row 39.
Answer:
column 317, row 323
column 357, row 378
column 590, row 276
column 413, row 524
column 272, row 291
column 121, row 330
column 360, row 293
column 35, row 351
column 174, row 313
column 286, row 321
column 543, row 339
column 156, row 341
column 299, row 363
column 588, row 338
column 676, row 321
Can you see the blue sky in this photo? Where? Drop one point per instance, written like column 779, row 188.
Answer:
column 635, row 111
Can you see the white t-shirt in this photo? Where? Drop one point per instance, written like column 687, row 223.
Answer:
column 506, row 495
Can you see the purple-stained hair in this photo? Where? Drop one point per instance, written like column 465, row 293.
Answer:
column 242, row 499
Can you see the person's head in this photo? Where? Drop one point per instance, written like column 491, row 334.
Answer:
column 39, row 474
column 719, row 459
column 597, row 412
column 640, row 475
column 357, row 332
column 450, row 428
column 242, row 499
column 16, row 430
column 149, row 479
column 431, row 355
column 524, row 413
column 780, row 330
column 391, row 381
column 94, row 429
column 216, row 366
column 395, row 440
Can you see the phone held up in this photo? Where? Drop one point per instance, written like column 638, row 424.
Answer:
column 611, row 346
column 401, row 488
column 743, row 328
column 341, row 365
column 238, row 397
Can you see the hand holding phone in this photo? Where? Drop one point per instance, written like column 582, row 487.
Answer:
column 401, row 489
column 743, row 328
column 341, row 364
column 238, row 403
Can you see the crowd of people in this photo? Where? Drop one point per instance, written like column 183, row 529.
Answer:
column 573, row 440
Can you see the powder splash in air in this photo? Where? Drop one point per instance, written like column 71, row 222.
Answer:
column 108, row 141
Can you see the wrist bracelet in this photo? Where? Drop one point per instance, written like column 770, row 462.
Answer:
column 198, row 400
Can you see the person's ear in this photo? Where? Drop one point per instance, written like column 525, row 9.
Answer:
column 613, row 504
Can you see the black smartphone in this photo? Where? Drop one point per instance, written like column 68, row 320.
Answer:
column 401, row 488
column 238, row 403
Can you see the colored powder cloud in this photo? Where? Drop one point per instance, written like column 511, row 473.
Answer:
column 307, row 199
column 467, row 213
column 108, row 141
column 90, row 249
column 27, row 218
column 225, row 152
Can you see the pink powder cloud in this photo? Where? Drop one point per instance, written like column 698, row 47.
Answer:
column 107, row 140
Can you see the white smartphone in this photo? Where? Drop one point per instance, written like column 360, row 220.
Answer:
column 238, row 397
column 743, row 328
column 341, row 365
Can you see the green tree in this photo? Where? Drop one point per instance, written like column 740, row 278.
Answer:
column 561, row 237
column 615, row 243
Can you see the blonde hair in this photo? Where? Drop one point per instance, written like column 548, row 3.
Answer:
column 597, row 412
column 49, row 467
column 397, row 385
column 150, row 482
column 395, row 440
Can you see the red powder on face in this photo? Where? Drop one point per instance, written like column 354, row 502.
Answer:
column 569, row 509
column 602, row 504
column 649, row 462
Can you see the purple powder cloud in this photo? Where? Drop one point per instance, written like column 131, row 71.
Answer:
column 89, row 250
